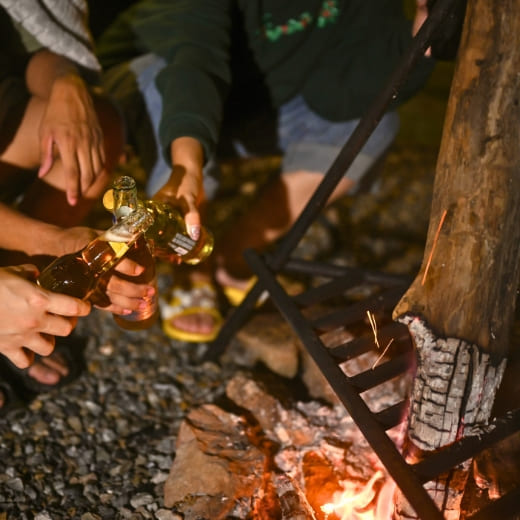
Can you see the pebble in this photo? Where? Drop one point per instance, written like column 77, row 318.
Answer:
column 101, row 447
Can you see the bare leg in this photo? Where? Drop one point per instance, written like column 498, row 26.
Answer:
column 45, row 199
column 272, row 215
column 269, row 218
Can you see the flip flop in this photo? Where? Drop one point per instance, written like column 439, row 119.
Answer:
column 235, row 296
column 199, row 298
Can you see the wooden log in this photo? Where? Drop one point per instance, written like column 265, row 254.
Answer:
column 460, row 307
column 468, row 288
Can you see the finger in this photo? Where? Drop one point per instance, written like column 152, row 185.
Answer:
column 41, row 344
column 64, row 305
column 129, row 267
column 125, row 302
column 117, row 309
column 86, row 170
column 54, row 325
column 27, row 271
column 98, row 154
column 20, row 357
column 71, row 170
column 192, row 220
column 118, row 286
column 46, row 158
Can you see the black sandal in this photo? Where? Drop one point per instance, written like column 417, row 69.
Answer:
column 26, row 387
column 10, row 399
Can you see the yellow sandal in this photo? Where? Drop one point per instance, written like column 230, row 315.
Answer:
column 200, row 298
column 235, row 296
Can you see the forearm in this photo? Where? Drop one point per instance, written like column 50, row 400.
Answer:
column 184, row 187
column 188, row 153
column 25, row 234
column 44, row 68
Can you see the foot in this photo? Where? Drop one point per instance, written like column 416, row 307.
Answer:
column 191, row 313
column 226, row 279
column 49, row 370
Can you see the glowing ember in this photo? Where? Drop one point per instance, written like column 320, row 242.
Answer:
column 355, row 504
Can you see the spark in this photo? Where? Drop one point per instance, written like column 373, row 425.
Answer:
column 373, row 324
column 384, row 352
column 437, row 233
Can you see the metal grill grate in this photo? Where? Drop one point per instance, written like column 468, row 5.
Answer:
column 385, row 293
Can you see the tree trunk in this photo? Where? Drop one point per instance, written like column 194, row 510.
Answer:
column 460, row 308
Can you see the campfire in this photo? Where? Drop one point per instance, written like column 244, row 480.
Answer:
column 355, row 504
column 267, row 459
column 262, row 455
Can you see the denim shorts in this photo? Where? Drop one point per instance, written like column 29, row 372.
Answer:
column 305, row 140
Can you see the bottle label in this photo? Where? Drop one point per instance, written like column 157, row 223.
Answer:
column 182, row 244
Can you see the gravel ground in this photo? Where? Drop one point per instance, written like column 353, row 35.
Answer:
column 101, row 447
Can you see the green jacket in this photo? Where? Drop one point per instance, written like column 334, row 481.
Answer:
column 337, row 54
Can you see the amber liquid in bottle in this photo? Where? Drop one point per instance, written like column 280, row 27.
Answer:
column 145, row 317
column 170, row 238
column 122, row 201
column 77, row 274
column 168, row 234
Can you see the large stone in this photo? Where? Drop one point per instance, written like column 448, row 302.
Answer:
column 215, row 465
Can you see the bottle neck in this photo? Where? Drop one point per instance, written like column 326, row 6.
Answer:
column 106, row 250
column 101, row 255
column 125, row 199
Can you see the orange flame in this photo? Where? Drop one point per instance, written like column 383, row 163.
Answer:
column 355, row 504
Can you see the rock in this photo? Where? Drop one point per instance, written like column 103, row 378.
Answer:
column 268, row 338
column 248, row 394
column 214, row 464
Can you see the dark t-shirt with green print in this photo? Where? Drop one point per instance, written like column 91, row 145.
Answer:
column 337, row 54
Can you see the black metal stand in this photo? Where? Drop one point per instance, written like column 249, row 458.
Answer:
column 385, row 291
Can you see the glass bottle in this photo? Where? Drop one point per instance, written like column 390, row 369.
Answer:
column 168, row 233
column 125, row 201
column 78, row 274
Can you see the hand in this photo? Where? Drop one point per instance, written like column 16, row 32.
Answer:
column 70, row 240
column 184, row 188
column 30, row 316
column 123, row 290
column 55, row 241
column 70, row 129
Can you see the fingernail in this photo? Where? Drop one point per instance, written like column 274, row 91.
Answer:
column 194, row 232
column 126, row 312
column 150, row 291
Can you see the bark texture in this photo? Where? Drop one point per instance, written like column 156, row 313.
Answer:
column 453, row 393
column 460, row 308
column 468, row 289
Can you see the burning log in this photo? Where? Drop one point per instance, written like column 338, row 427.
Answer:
column 460, row 308
column 305, row 462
